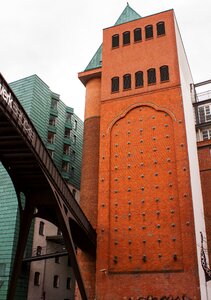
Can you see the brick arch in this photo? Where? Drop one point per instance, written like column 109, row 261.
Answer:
column 136, row 105
column 143, row 192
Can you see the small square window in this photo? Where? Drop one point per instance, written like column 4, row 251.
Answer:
column 41, row 228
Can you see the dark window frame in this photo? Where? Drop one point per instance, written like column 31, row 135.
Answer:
column 37, row 278
column 151, row 76
column 115, row 41
column 137, row 35
column 164, row 73
column 127, row 82
column 68, row 283
column 41, row 228
column 56, row 281
column 115, row 84
column 160, row 26
column 148, row 32
column 139, row 79
column 126, row 38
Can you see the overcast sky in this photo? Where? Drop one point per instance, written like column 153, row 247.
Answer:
column 56, row 39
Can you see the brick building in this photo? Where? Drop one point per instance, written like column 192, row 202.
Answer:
column 140, row 184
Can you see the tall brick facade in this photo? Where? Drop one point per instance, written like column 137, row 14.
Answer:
column 145, row 222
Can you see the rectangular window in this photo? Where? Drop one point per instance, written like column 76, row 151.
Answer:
column 126, row 81
column 37, row 278
column 72, row 172
column 66, row 149
column 52, row 120
column 149, row 32
column 74, row 139
column 68, row 284
column 56, row 281
column 57, row 260
column 67, row 133
column 126, row 38
column 115, row 41
column 204, row 114
column 75, row 125
column 41, row 228
column 151, row 76
column 137, row 35
column 54, row 103
column 115, row 84
column 68, row 117
column 65, row 166
column 51, row 137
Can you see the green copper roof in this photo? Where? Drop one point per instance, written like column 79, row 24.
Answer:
column 127, row 15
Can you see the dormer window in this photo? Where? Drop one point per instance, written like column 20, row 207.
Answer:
column 148, row 32
column 115, row 41
column 160, row 28
column 137, row 35
column 126, row 38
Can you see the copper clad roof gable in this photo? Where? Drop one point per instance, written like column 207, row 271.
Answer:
column 127, row 15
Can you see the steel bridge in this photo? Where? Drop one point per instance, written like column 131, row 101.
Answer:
column 40, row 189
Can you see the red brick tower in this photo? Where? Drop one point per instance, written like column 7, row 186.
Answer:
column 138, row 87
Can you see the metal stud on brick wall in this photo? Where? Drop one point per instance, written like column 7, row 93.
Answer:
column 128, row 142
column 116, row 155
column 158, row 225
column 115, row 229
column 142, row 201
column 171, row 197
column 166, row 125
column 173, row 225
column 157, row 199
column 116, row 179
column 142, row 175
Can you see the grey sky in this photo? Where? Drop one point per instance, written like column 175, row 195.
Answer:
column 56, row 39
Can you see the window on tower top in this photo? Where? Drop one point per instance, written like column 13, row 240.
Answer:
column 115, row 84
column 137, row 35
column 115, row 41
column 149, row 32
column 164, row 73
column 126, row 38
column 139, row 79
column 126, row 81
column 151, row 76
column 160, row 28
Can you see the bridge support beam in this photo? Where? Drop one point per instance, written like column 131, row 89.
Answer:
column 26, row 216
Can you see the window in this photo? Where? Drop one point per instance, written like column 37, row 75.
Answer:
column 57, row 260
column 206, row 134
column 126, row 81
column 204, row 114
column 75, row 124
column 139, row 79
column 41, row 228
column 72, row 155
column 52, row 120
column 54, row 103
column 137, row 35
column 126, row 37
column 56, row 281
column 51, row 137
column 68, row 284
column 151, row 75
column 66, row 149
column 148, row 32
column 115, row 41
column 39, row 250
column 65, row 166
column 160, row 28
column 37, row 278
column 74, row 139
column 115, row 84
column 72, row 172
column 164, row 73
column 67, row 133
column 68, row 117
